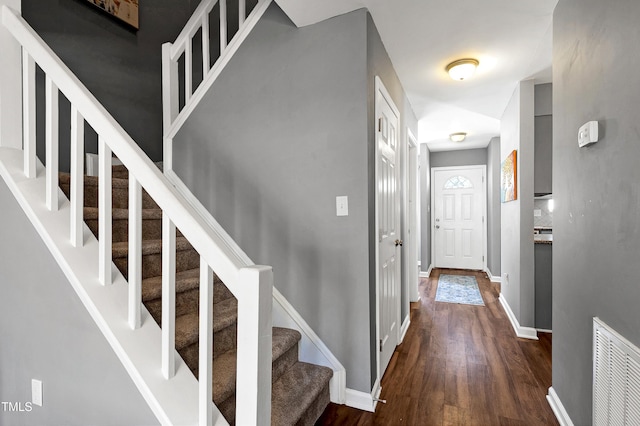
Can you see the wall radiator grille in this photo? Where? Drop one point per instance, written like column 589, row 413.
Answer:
column 616, row 378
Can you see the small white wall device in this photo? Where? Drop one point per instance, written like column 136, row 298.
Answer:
column 588, row 134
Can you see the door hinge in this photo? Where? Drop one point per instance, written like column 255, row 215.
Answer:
column 380, row 345
column 483, row 258
column 482, row 219
column 380, row 124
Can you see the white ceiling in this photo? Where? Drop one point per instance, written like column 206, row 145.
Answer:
column 510, row 38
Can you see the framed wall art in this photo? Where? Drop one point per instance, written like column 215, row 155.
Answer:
column 125, row 10
column 509, row 178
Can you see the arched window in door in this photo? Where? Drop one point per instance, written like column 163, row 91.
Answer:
column 458, row 182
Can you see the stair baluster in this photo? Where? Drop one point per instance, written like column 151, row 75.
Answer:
column 135, row 253
column 168, row 297
column 105, row 204
column 29, row 113
column 52, row 136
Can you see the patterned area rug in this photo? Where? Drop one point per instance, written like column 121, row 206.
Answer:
column 458, row 289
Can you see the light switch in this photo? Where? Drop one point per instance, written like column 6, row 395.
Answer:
column 36, row 392
column 342, row 206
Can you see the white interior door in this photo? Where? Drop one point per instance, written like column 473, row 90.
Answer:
column 459, row 233
column 388, row 220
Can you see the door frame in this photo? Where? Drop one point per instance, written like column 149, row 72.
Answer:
column 380, row 90
column 482, row 167
column 411, row 219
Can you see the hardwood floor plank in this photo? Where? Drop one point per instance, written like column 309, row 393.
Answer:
column 460, row 365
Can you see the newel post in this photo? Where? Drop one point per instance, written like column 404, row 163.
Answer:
column 10, row 84
column 253, row 397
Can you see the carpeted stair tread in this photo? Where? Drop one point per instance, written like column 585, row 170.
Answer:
column 121, row 249
column 225, row 314
column 185, row 281
column 297, row 390
column 91, row 213
column 224, row 366
column 65, row 179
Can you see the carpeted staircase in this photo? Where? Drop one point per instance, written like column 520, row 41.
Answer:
column 300, row 391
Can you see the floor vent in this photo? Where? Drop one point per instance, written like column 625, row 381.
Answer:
column 616, row 378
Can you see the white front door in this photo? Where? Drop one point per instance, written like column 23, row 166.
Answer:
column 388, row 221
column 459, row 199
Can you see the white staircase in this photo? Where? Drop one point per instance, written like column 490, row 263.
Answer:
column 146, row 350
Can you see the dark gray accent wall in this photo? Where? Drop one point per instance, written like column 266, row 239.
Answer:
column 493, row 207
column 464, row 157
column 120, row 66
column 597, row 213
column 425, row 207
column 47, row 334
column 379, row 65
column 282, row 132
column 543, row 98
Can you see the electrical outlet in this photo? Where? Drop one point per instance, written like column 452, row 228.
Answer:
column 36, row 392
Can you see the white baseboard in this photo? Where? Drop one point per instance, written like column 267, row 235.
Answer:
column 426, row 274
column 523, row 332
column 558, row 408
column 492, row 277
column 544, row 330
column 404, row 328
column 362, row 400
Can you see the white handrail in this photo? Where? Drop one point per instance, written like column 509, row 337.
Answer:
column 174, row 117
column 251, row 285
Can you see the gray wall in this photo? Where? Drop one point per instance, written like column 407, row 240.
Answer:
column 47, row 334
column 464, row 157
column 517, row 257
column 544, row 271
column 281, row 134
column 597, row 214
column 493, row 206
column 120, row 66
column 379, row 64
column 425, row 207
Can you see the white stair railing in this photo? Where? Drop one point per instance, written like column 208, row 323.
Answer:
column 250, row 284
column 174, row 116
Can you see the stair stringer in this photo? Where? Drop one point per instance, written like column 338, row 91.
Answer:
column 312, row 349
column 173, row 402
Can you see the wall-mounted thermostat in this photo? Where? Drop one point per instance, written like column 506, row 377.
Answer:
column 588, row 134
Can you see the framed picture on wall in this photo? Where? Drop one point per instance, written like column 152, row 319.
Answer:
column 126, row 10
column 509, row 178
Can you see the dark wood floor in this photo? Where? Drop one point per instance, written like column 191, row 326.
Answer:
column 460, row 365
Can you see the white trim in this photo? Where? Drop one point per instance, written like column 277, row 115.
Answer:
column 404, row 328
column 558, row 408
column 362, row 400
column 411, row 218
column 544, row 330
column 312, row 348
column 492, row 277
column 426, row 274
column 523, row 332
column 485, row 221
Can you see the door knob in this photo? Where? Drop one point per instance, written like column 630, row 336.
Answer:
column 398, row 243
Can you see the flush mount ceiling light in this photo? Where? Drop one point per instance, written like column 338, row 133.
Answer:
column 457, row 137
column 462, row 69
